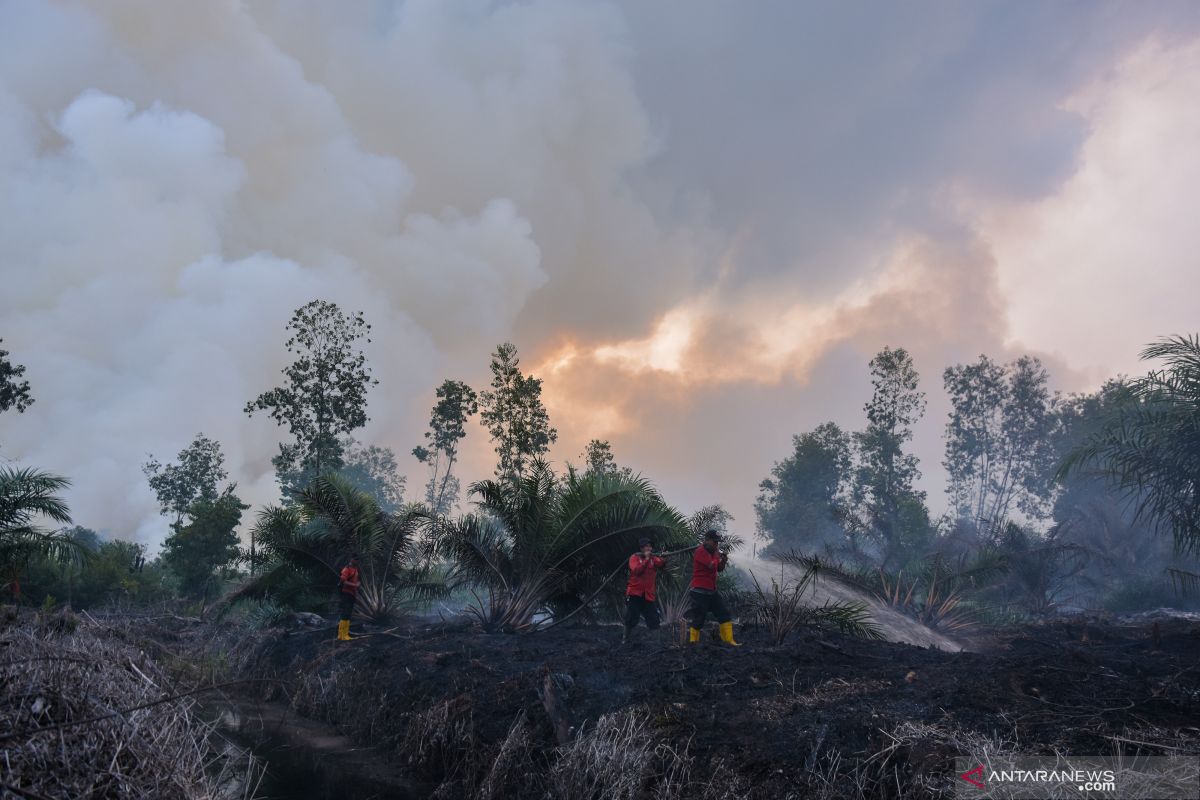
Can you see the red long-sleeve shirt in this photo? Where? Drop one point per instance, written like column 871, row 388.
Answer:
column 705, row 566
column 642, row 575
column 349, row 580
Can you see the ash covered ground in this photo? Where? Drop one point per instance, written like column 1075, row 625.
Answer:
column 467, row 714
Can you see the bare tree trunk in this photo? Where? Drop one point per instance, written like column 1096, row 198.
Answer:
column 445, row 480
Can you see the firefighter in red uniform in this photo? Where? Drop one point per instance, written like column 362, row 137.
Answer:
column 639, row 592
column 348, row 582
column 707, row 561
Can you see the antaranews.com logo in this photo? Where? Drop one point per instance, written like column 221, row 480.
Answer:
column 1123, row 778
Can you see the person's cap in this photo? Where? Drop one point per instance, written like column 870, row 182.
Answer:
column 643, row 542
column 713, row 534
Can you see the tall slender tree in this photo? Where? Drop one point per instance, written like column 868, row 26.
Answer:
column 999, row 440
column 456, row 403
column 513, row 413
column 884, row 478
column 325, row 395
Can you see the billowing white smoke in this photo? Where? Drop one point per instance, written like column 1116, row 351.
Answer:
column 178, row 177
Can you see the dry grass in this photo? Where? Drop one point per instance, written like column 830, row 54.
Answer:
column 84, row 714
column 441, row 739
column 511, row 771
column 619, row 758
column 611, row 761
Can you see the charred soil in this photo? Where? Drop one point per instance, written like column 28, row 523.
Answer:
column 492, row 715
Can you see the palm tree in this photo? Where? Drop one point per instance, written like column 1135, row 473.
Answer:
column 1151, row 447
column 307, row 544
column 539, row 543
column 25, row 496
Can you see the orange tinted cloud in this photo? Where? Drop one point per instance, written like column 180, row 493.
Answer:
column 926, row 293
column 670, row 400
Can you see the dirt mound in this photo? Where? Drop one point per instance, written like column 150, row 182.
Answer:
column 821, row 716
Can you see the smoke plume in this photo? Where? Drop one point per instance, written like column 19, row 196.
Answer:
column 697, row 225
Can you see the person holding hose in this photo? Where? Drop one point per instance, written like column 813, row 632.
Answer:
column 707, row 561
column 639, row 592
column 348, row 582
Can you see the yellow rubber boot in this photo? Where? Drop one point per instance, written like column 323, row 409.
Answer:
column 344, row 630
column 727, row 634
column 693, row 635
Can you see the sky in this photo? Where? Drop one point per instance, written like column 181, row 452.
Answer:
column 696, row 220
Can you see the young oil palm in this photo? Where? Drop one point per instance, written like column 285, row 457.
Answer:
column 27, row 496
column 544, row 544
column 1151, row 446
column 307, row 544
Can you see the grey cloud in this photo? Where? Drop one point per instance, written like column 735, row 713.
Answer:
column 178, row 176
column 819, row 130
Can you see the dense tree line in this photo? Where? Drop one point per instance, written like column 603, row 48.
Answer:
column 338, row 496
column 1052, row 501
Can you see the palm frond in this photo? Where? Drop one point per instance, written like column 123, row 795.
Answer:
column 1150, row 446
column 26, row 494
column 479, row 547
column 1184, row 581
column 332, row 519
column 782, row 610
column 850, row 619
column 27, row 542
column 538, row 542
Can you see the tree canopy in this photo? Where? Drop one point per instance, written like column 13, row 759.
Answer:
column 14, row 392
column 513, row 413
column 999, row 440
column 324, row 396
column 195, row 477
column 456, row 403
column 801, row 505
column 888, row 504
column 201, row 548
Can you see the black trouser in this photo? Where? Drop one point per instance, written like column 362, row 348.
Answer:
column 702, row 604
column 347, row 604
column 638, row 606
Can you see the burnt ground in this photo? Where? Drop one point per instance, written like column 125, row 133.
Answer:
column 821, row 715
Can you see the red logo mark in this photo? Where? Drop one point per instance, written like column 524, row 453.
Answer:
column 978, row 772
